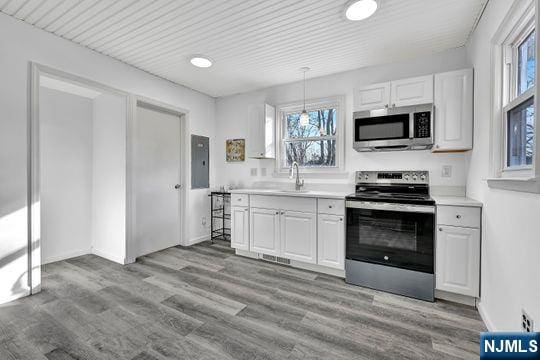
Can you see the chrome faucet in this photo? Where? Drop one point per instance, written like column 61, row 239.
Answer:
column 298, row 184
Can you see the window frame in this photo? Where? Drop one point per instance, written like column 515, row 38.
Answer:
column 520, row 21
column 520, row 32
column 337, row 102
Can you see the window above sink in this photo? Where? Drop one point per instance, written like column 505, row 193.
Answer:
column 318, row 146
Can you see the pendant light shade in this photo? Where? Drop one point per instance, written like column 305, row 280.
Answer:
column 304, row 116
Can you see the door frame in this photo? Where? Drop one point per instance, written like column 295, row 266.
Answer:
column 183, row 116
column 35, row 71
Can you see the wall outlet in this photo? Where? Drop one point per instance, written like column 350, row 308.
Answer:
column 526, row 322
column 253, row 171
column 446, row 171
column 263, row 171
column 204, row 221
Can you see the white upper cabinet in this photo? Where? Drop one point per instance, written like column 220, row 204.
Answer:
column 299, row 236
column 412, row 91
column 261, row 131
column 376, row 96
column 454, row 111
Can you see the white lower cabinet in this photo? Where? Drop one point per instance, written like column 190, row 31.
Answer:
column 331, row 241
column 307, row 230
column 299, row 236
column 264, row 231
column 240, row 227
column 458, row 260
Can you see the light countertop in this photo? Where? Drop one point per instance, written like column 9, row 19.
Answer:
column 301, row 193
column 456, row 201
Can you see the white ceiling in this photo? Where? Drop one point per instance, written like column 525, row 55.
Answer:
column 254, row 43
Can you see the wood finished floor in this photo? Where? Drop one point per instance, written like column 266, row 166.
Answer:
column 204, row 302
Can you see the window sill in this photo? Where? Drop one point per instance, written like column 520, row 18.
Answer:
column 336, row 174
column 521, row 184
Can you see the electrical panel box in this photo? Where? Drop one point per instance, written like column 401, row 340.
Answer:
column 200, row 158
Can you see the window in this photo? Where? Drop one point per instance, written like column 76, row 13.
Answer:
column 519, row 114
column 315, row 146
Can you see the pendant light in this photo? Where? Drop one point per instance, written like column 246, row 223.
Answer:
column 304, row 116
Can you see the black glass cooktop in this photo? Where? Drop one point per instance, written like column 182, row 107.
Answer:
column 393, row 194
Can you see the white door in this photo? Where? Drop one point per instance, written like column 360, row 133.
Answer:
column 264, row 231
column 412, row 91
column 240, row 227
column 299, row 236
column 458, row 260
column 376, row 96
column 454, row 110
column 331, row 241
column 156, row 180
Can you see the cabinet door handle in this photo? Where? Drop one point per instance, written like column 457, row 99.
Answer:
column 340, row 219
column 283, row 213
column 458, row 216
column 277, row 212
column 330, row 206
column 246, row 209
column 440, row 229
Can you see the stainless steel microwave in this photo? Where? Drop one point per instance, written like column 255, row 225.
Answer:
column 400, row 128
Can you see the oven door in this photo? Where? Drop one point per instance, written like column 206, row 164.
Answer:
column 391, row 234
column 385, row 131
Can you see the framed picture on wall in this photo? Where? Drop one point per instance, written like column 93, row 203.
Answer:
column 235, row 150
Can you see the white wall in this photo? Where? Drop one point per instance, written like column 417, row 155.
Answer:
column 26, row 43
column 66, row 176
column 231, row 119
column 511, row 240
column 109, row 177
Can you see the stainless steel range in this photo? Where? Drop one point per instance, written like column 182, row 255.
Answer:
column 390, row 233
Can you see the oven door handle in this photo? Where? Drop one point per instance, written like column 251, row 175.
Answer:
column 390, row 207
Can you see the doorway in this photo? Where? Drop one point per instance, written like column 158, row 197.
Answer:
column 111, row 190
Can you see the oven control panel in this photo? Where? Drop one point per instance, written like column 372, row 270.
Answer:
column 392, row 177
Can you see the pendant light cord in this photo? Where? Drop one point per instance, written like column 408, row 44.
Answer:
column 304, row 89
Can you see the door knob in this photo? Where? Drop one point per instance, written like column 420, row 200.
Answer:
column 177, row 186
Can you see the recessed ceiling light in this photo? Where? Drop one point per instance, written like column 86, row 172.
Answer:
column 360, row 10
column 201, row 61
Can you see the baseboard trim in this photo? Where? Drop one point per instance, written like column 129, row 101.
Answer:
column 457, row 298
column 198, row 240
column 117, row 259
column 67, row 255
column 12, row 297
column 485, row 317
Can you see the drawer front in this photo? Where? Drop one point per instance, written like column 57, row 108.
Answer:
column 239, row 200
column 459, row 216
column 290, row 203
column 331, row 206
